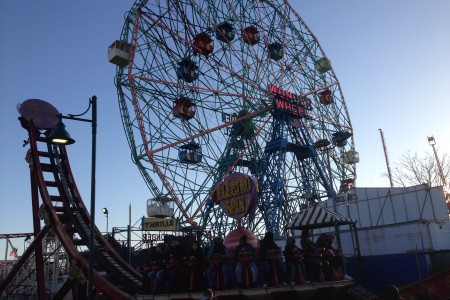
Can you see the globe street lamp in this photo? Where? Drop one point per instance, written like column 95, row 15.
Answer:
column 60, row 136
column 105, row 211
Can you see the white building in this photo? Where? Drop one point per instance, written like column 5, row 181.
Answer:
column 395, row 220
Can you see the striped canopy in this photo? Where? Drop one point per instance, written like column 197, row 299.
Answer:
column 318, row 217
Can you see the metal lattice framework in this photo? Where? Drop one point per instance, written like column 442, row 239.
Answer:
column 232, row 61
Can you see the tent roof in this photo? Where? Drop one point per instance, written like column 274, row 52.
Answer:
column 318, row 217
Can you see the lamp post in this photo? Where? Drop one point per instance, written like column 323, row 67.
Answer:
column 105, row 211
column 60, row 136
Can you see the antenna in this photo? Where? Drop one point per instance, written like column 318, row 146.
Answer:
column 386, row 157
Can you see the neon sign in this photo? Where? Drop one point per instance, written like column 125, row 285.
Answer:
column 296, row 105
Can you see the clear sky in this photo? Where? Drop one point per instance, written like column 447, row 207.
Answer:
column 391, row 58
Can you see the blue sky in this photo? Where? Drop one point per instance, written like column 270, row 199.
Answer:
column 391, row 58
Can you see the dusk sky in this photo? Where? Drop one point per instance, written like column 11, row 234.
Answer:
column 391, row 58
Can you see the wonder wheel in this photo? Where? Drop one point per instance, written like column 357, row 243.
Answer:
column 214, row 89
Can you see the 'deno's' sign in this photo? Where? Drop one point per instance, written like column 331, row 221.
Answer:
column 160, row 224
column 236, row 195
column 296, row 105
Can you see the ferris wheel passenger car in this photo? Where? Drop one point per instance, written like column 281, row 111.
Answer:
column 190, row 153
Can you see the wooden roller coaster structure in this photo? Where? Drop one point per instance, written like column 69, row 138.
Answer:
column 60, row 216
column 56, row 201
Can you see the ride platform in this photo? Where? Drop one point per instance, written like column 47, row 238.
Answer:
column 309, row 291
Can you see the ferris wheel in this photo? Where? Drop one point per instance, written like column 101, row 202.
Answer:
column 213, row 88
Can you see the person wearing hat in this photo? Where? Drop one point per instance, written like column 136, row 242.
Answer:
column 218, row 256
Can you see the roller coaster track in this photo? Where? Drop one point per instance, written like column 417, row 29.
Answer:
column 56, row 200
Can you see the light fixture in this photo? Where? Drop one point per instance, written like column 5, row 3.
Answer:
column 59, row 135
column 105, row 211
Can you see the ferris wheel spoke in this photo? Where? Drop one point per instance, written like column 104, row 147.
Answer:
column 230, row 168
column 151, row 152
column 239, row 53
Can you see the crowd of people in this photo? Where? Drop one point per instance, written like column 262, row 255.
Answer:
column 177, row 269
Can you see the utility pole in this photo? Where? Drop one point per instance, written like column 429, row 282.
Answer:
column 432, row 142
column 386, row 157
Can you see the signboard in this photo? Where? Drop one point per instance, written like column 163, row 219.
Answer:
column 43, row 114
column 236, row 195
column 296, row 105
column 160, row 224
column 149, row 237
column 225, row 119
